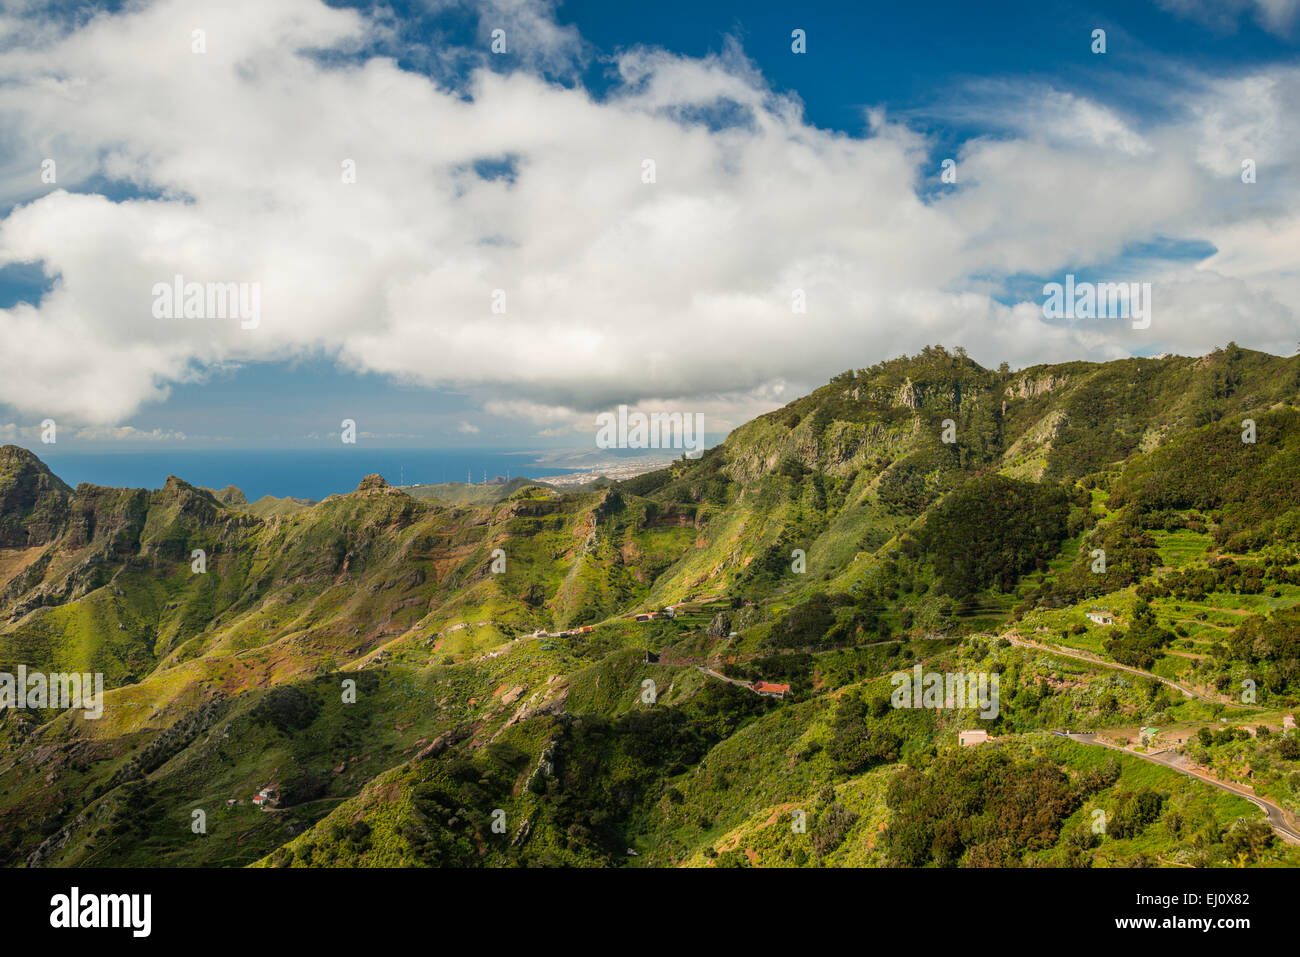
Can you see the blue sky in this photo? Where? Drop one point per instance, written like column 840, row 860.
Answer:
column 908, row 55
column 523, row 173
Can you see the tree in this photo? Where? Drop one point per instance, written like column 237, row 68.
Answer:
column 1249, row 839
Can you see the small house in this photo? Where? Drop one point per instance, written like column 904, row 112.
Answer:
column 969, row 739
column 1288, row 722
column 1099, row 617
column 770, row 689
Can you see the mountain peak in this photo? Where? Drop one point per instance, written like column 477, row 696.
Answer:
column 16, row 454
column 230, row 495
column 16, row 461
column 33, row 500
column 373, row 481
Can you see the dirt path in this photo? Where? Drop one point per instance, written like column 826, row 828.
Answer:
column 294, row 807
column 1015, row 639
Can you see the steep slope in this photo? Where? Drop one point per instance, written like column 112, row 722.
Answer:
column 903, row 514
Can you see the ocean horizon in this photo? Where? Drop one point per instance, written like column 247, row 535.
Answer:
column 300, row 473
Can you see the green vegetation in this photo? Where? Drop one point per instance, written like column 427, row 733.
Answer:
column 455, row 675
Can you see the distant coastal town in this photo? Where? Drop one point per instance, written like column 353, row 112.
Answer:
column 616, row 470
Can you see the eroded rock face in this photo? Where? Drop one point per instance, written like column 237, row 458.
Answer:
column 1027, row 388
column 907, row 395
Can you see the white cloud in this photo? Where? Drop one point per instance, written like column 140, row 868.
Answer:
column 1276, row 16
column 128, row 433
column 12, row 432
column 530, row 32
column 529, row 411
column 616, row 290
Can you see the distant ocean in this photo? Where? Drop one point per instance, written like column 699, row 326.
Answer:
column 301, row 473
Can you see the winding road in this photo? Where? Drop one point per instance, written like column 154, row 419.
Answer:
column 1277, row 817
column 1170, row 759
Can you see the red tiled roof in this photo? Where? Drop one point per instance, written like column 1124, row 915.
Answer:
column 769, row 686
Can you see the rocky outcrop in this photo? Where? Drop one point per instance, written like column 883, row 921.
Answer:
column 1027, row 388
column 907, row 395
column 373, row 482
column 545, row 769
column 33, row 500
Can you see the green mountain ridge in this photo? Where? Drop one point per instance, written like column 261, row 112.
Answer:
column 445, row 678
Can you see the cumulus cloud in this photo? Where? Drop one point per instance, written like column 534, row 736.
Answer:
column 505, row 239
